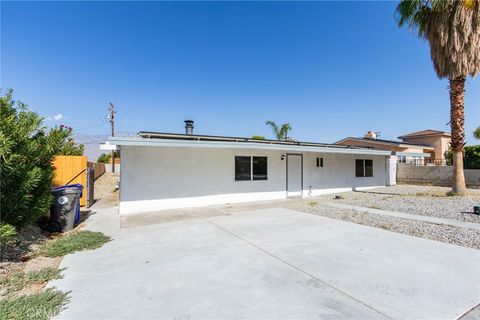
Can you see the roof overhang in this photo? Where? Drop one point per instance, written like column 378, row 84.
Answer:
column 108, row 146
column 426, row 135
column 146, row 142
column 413, row 154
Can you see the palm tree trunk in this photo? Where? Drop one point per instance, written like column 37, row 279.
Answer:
column 457, row 119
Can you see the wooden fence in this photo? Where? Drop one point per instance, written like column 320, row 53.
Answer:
column 98, row 168
column 70, row 170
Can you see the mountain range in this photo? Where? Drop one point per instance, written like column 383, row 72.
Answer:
column 92, row 143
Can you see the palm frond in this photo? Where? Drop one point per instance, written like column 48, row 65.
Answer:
column 414, row 14
column 275, row 129
column 476, row 133
column 452, row 29
column 284, row 130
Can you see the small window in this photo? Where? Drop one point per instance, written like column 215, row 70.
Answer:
column 319, row 162
column 249, row 168
column 363, row 168
column 243, row 168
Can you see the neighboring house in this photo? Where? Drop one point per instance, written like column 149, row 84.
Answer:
column 165, row 171
column 405, row 151
column 440, row 141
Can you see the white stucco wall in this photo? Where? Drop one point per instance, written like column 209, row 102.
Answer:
column 154, row 179
column 338, row 173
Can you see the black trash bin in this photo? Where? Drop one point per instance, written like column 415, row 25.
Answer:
column 65, row 210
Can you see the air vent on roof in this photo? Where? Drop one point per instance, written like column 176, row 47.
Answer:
column 189, row 127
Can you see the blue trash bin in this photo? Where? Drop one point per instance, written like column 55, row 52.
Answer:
column 65, row 210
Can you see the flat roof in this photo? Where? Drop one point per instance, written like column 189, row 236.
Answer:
column 159, row 139
column 388, row 142
column 194, row 137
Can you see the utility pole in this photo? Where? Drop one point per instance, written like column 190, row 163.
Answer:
column 111, row 116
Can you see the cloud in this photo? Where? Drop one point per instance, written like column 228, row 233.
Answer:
column 56, row 117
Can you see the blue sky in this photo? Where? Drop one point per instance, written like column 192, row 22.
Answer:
column 331, row 69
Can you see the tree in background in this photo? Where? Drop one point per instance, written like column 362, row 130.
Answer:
column 27, row 149
column 281, row 133
column 471, row 158
column 476, row 133
column 70, row 148
column 452, row 29
column 255, row 137
column 105, row 157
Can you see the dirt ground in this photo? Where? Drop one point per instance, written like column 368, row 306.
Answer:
column 20, row 255
column 106, row 189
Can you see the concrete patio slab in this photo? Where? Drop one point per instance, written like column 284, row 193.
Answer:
column 272, row 263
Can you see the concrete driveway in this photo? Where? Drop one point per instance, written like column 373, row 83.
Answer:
column 271, row 263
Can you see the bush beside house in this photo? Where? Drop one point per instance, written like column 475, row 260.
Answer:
column 27, row 149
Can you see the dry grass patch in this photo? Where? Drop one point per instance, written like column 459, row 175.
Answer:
column 19, row 280
column 75, row 241
column 433, row 193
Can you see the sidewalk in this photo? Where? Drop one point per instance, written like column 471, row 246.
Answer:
column 408, row 216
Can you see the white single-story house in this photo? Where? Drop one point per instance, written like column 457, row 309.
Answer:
column 166, row 171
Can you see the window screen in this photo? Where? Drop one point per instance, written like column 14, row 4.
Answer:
column 368, row 168
column 243, row 168
column 363, row 168
column 358, row 168
column 259, row 168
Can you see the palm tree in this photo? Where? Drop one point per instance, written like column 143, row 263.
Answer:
column 452, row 29
column 476, row 133
column 280, row 132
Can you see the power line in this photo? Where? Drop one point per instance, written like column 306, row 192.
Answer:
column 94, row 126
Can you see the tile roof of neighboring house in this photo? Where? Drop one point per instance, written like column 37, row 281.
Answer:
column 388, row 142
column 422, row 133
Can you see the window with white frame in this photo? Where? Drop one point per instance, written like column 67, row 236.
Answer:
column 249, row 168
column 402, row 159
column 363, row 168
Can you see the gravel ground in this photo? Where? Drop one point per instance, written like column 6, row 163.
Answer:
column 421, row 200
column 463, row 237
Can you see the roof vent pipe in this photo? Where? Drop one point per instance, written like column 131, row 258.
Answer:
column 371, row 135
column 189, row 127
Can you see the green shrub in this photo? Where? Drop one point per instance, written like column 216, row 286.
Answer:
column 7, row 233
column 471, row 158
column 27, row 150
column 38, row 306
column 105, row 157
column 77, row 241
column 70, row 148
